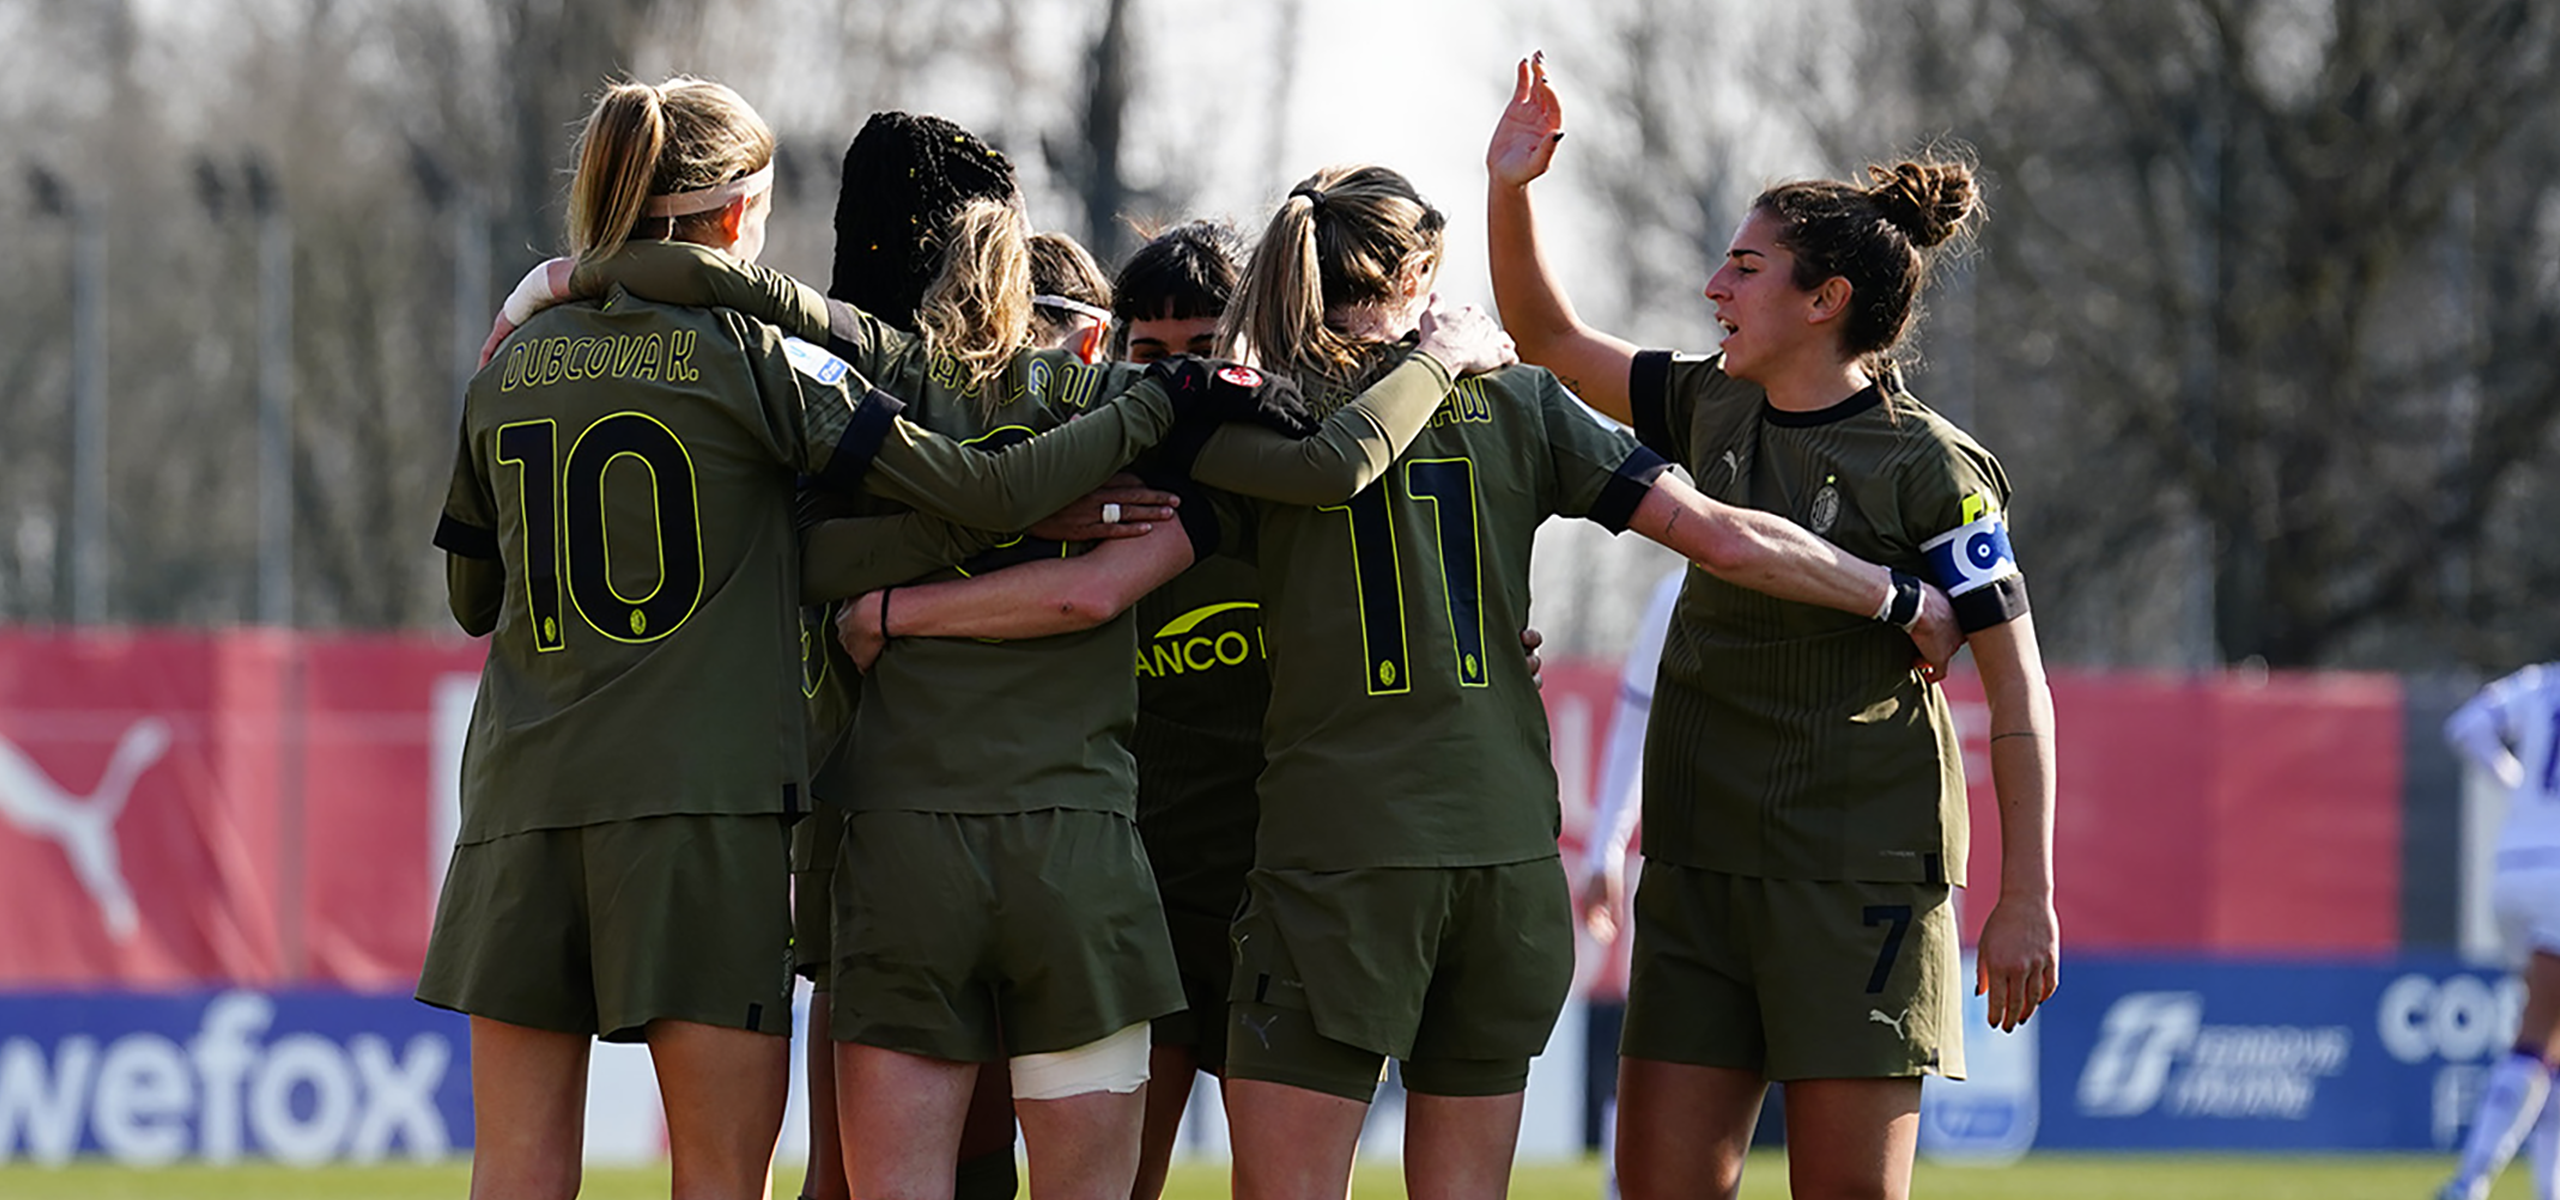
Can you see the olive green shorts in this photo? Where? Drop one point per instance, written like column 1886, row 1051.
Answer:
column 1794, row 978
column 813, row 871
column 1458, row 972
column 601, row 929
column 951, row 926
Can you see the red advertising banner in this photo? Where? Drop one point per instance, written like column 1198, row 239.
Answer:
column 272, row 809
column 2216, row 814
column 247, row 807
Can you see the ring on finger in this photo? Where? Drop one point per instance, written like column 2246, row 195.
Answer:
column 1110, row 513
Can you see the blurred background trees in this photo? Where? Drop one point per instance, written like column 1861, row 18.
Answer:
column 2263, row 321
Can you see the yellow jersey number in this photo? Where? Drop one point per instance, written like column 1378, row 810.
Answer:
column 570, row 546
column 1448, row 486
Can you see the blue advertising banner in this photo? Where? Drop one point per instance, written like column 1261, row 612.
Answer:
column 2208, row 1054
column 300, row 1077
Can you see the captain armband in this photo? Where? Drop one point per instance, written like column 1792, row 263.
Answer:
column 1979, row 572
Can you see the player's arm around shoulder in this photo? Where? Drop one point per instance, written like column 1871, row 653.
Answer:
column 1768, row 553
column 1353, row 445
column 1035, row 599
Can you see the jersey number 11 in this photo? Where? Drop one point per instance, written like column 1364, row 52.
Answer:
column 1449, row 485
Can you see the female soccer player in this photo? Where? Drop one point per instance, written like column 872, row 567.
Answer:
column 1804, row 803
column 1070, row 297
column 637, row 740
column 1407, row 899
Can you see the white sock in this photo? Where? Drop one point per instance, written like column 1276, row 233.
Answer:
column 2508, row 1107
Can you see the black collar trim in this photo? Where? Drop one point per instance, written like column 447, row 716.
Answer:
column 1867, row 397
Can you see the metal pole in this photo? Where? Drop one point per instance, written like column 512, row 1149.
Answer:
column 275, row 416
column 88, row 415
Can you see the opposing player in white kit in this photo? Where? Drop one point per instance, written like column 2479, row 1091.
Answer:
column 2512, row 730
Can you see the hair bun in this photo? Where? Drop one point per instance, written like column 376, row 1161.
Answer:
column 1928, row 202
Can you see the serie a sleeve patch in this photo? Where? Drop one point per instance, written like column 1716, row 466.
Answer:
column 814, row 361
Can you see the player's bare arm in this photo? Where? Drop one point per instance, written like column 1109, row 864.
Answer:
column 1038, row 599
column 1769, row 553
column 1533, row 303
column 2018, row 963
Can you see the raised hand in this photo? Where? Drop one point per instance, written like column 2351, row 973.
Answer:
column 1466, row 339
column 1524, row 141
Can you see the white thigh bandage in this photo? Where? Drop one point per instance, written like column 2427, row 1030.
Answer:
column 1117, row 1063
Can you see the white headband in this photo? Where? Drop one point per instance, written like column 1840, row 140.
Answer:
column 685, row 204
column 1074, row 306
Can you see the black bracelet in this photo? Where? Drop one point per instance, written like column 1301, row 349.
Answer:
column 884, row 614
column 1905, row 609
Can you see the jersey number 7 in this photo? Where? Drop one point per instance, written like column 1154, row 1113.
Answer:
column 1449, row 486
column 567, row 549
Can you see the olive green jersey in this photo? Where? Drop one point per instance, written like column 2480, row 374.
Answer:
column 674, row 435
column 845, row 554
column 1404, row 730
column 1788, row 740
column 978, row 726
column 629, row 467
column 1202, row 690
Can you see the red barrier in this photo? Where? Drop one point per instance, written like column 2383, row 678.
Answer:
column 189, row 808
column 182, row 808
column 2212, row 814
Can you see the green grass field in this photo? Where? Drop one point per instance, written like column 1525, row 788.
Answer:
column 2188, row 1177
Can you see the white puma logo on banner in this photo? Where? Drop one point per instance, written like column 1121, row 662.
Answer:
column 85, row 826
column 1876, row 1017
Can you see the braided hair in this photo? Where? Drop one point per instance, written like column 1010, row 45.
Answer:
column 906, row 178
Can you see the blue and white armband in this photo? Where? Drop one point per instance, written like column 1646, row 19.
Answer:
column 1979, row 572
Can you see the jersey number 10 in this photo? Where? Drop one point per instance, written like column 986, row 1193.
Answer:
column 566, row 534
column 1449, row 485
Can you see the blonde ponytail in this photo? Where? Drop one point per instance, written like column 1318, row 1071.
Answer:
column 1345, row 236
column 642, row 140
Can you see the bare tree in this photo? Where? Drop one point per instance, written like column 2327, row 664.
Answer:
column 2241, row 242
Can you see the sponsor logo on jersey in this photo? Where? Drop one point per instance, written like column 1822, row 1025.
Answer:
column 1183, row 647
column 2155, row 1051
column 814, row 361
column 85, row 826
column 1973, row 555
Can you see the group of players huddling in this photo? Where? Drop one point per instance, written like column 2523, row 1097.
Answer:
column 1314, row 829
